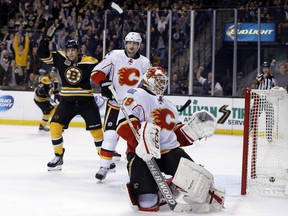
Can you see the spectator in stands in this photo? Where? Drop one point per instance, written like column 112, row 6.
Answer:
column 98, row 53
column 174, row 84
column 142, row 49
column 2, row 76
column 67, row 5
column 4, row 61
column 281, row 76
column 63, row 37
column 84, row 51
column 55, row 9
column 239, row 82
column 14, row 74
column 207, row 83
column 21, row 49
column 197, row 86
column 179, row 37
column 265, row 15
column 9, row 44
column 182, row 74
column 182, row 80
column 160, row 38
column 21, row 52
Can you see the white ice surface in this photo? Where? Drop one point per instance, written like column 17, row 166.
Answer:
column 28, row 189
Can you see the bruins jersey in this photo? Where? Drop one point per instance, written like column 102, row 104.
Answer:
column 75, row 76
column 46, row 88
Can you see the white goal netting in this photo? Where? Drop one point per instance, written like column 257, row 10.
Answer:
column 266, row 143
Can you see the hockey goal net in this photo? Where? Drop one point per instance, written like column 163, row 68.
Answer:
column 265, row 143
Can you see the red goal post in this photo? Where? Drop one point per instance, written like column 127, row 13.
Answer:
column 265, row 142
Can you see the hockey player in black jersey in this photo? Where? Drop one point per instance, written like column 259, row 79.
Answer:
column 76, row 94
column 47, row 88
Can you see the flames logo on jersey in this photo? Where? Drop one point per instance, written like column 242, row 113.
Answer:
column 73, row 75
column 129, row 76
column 164, row 118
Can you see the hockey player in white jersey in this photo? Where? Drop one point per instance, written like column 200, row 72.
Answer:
column 123, row 69
column 144, row 107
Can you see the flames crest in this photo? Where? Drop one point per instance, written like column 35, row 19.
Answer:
column 164, row 118
column 129, row 76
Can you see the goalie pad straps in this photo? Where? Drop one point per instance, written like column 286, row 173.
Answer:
column 149, row 142
column 193, row 179
column 216, row 197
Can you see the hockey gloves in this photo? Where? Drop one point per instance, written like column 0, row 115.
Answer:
column 49, row 30
column 57, row 98
column 105, row 91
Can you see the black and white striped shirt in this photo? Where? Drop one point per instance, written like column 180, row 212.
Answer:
column 266, row 83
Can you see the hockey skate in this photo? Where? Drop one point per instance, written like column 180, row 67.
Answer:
column 56, row 163
column 101, row 174
column 116, row 156
column 42, row 128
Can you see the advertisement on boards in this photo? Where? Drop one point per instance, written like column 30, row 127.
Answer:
column 18, row 107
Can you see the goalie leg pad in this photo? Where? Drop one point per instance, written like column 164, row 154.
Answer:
column 193, row 179
column 130, row 197
column 145, row 200
column 148, row 202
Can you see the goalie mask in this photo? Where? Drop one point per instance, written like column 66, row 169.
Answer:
column 156, row 80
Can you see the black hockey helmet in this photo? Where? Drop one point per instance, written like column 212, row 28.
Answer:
column 72, row 44
column 265, row 64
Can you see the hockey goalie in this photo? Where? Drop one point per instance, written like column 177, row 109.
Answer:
column 161, row 136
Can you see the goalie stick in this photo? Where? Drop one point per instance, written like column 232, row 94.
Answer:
column 188, row 102
column 154, row 169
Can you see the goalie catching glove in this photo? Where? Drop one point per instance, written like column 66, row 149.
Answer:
column 201, row 125
column 149, row 141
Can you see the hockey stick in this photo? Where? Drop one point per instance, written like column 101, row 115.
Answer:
column 154, row 169
column 120, row 11
column 117, row 7
column 188, row 102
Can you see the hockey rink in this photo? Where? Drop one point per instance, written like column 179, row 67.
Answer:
column 28, row 189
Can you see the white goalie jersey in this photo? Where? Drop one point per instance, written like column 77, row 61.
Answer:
column 154, row 109
column 123, row 71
